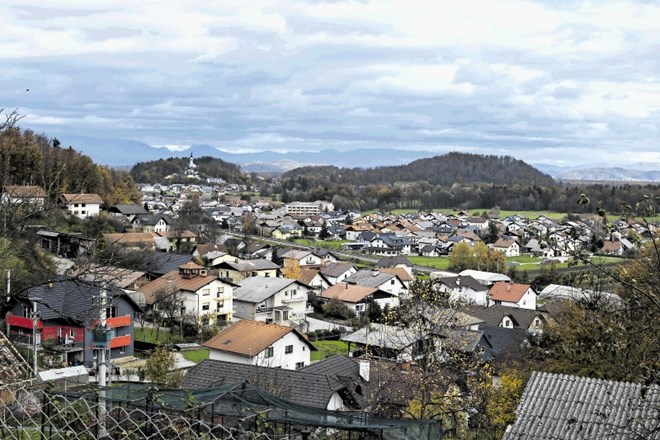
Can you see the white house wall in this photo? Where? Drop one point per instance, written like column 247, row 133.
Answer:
column 281, row 359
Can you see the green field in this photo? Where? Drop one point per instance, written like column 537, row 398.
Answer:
column 328, row 349
column 522, row 262
column 557, row 216
column 326, row 244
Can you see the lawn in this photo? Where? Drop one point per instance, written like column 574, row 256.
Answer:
column 196, row 356
column 329, row 244
column 148, row 334
column 440, row 263
column 328, row 349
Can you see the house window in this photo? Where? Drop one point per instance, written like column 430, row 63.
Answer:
column 537, row 322
column 288, row 349
column 71, row 333
column 299, row 365
column 392, row 282
column 82, row 205
column 111, row 312
column 206, row 292
column 268, row 353
column 507, row 323
column 205, row 307
column 75, row 205
column 221, row 289
column 294, row 292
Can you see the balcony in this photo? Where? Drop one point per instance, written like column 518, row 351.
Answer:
column 120, row 341
column 119, row 321
column 65, row 345
column 19, row 321
column 294, row 298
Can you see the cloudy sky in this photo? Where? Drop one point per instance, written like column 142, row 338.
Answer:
column 556, row 82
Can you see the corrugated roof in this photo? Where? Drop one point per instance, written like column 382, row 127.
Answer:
column 563, row 407
column 249, row 338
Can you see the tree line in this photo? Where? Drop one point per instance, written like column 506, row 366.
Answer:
column 157, row 171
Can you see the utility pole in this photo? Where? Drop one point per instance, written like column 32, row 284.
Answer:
column 103, row 344
column 35, row 344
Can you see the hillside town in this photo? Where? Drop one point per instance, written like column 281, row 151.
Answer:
column 258, row 288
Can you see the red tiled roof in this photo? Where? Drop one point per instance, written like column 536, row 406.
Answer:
column 509, row 292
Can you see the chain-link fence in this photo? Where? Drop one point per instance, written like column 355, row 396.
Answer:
column 141, row 411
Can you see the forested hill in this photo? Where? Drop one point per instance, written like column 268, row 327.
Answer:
column 207, row 166
column 27, row 158
column 439, row 170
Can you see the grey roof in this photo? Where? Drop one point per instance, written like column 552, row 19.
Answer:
column 249, row 265
column 500, row 344
column 71, row 298
column 385, row 336
column 371, row 278
column 258, row 289
column 393, row 262
column 129, row 209
column 464, row 281
column 336, row 269
column 298, row 386
column 563, row 407
column 493, row 315
column 162, row 262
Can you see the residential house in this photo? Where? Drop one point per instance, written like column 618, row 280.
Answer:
column 562, row 407
column 302, row 258
column 82, row 205
column 271, row 300
column 531, row 321
column 402, row 273
column 151, row 223
column 310, row 389
column 258, row 343
column 127, row 212
column 313, row 278
column 464, row 289
column 485, row 278
column 387, row 282
column 175, row 240
column 238, row 270
column 338, row 272
column 191, row 293
column 507, row 247
column 391, row 262
column 26, row 195
column 612, row 248
column 357, row 298
column 513, row 295
column 64, row 313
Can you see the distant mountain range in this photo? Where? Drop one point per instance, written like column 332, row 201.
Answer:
column 126, row 153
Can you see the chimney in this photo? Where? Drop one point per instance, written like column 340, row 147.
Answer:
column 364, row 370
column 346, row 284
column 458, row 281
column 50, row 284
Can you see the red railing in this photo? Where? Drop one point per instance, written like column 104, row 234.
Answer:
column 119, row 321
column 19, row 321
column 120, row 341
